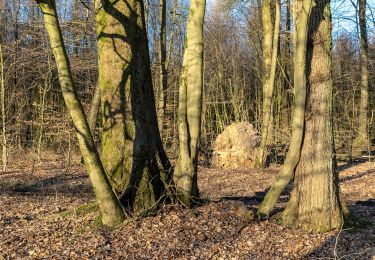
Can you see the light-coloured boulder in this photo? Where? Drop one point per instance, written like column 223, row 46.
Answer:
column 236, row 146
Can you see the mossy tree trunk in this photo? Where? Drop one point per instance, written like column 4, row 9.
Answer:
column 110, row 207
column 190, row 106
column 132, row 150
column 315, row 203
column 362, row 139
column 294, row 152
column 270, row 44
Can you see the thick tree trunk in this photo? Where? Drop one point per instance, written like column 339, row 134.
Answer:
column 109, row 206
column 270, row 52
column 131, row 144
column 294, row 152
column 315, row 203
column 190, row 105
column 362, row 139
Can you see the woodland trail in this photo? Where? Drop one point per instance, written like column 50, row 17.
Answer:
column 32, row 225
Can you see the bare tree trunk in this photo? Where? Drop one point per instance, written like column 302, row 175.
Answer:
column 147, row 12
column 109, row 206
column 3, row 114
column 163, row 80
column 95, row 105
column 315, row 202
column 43, row 93
column 94, row 109
column 362, row 139
column 131, row 143
column 172, row 36
column 270, row 53
column 190, row 105
column 285, row 98
column 294, row 153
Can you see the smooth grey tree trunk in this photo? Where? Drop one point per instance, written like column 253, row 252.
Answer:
column 190, row 106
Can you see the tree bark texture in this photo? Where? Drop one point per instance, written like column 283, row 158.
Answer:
column 362, row 139
column 131, row 145
column 315, row 203
column 190, row 105
column 109, row 206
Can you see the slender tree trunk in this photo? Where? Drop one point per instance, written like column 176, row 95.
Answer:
column 95, row 105
column 288, row 71
column 3, row 114
column 172, row 36
column 362, row 139
column 270, row 52
column 131, row 143
column 93, row 116
column 109, row 206
column 147, row 12
column 163, row 80
column 315, row 203
column 43, row 93
column 294, row 152
column 190, row 105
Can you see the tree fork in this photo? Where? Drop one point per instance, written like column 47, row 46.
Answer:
column 315, row 200
column 298, row 120
column 270, row 53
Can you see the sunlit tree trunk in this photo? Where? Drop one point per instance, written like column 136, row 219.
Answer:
column 110, row 208
column 362, row 139
column 270, row 52
column 94, row 110
column 132, row 150
column 294, row 152
column 315, row 203
column 95, row 105
column 190, row 105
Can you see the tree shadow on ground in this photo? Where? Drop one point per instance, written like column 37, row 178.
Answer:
column 351, row 243
column 66, row 184
column 357, row 175
column 348, row 164
column 253, row 202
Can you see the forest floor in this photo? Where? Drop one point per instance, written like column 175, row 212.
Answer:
column 33, row 226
